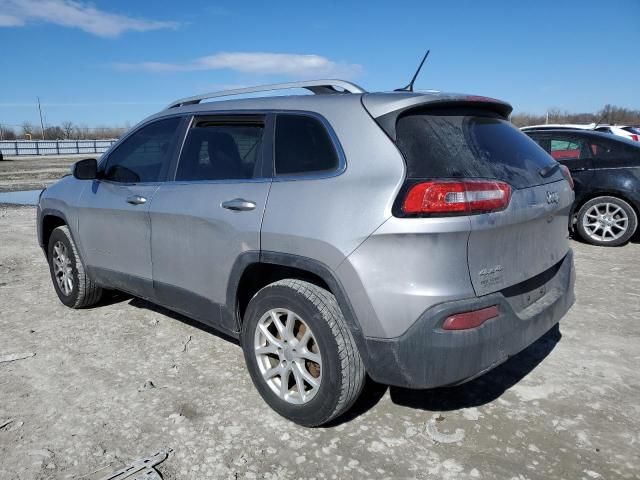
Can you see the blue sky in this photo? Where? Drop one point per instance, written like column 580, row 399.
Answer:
column 113, row 62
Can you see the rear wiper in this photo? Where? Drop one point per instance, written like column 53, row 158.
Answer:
column 548, row 170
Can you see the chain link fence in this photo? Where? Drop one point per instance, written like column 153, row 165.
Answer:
column 54, row 147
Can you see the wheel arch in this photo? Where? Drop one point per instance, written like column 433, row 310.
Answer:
column 605, row 193
column 255, row 270
column 49, row 221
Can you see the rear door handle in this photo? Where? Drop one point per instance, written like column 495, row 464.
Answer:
column 239, row 205
column 136, row 200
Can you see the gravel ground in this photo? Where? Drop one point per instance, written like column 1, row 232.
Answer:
column 34, row 172
column 123, row 380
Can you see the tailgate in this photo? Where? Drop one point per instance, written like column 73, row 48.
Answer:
column 508, row 246
column 530, row 236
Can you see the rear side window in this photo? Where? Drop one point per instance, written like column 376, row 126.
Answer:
column 303, row 146
column 610, row 150
column 562, row 147
column 145, row 155
column 214, row 151
column 446, row 144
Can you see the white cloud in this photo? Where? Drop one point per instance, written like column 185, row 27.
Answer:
column 292, row 65
column 10, row 20
column 74, row 14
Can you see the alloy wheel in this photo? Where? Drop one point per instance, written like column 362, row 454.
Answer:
column 605, row 222
column 288, row 356
column 62, row 268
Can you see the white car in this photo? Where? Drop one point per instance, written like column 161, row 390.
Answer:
column 632, row 133
column 555, row 126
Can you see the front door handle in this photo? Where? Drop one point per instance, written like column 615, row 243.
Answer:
column 239, row 205
column 136, row 200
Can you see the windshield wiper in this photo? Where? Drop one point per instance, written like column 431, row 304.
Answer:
column 549, row 169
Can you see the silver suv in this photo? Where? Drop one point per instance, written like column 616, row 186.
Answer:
column 418, row 238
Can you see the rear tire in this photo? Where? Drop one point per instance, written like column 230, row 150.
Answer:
column 276, row 322
column 606, row 221
column 74, row 288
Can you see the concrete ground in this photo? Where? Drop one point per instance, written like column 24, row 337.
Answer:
column 34, row 172
column 90, row 391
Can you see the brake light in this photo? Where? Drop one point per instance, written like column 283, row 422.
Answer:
column 467, row 320
column 462, row 197
column 567, row 175
column 634, row 137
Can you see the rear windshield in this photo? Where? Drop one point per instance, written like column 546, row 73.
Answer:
column 459, row 145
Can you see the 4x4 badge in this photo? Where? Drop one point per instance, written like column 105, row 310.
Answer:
column 553, row 197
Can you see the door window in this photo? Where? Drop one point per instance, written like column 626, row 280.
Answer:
column 218, row 151
column 144, row 156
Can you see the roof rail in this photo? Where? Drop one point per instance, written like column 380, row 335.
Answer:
column 318, row 87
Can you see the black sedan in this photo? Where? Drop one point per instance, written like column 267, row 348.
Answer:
column 606, row 172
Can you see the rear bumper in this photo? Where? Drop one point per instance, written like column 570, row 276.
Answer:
column 427, row 356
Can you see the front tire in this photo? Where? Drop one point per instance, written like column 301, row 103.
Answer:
column 74, row 288
column 606, row 221
column 300, row 352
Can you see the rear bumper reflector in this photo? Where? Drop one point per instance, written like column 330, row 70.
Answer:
column 467, row 320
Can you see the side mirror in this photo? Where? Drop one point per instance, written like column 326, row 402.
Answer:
column 86, row 169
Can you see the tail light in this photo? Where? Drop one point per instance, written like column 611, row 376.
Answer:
column 567, row 175
column 456, row 197
column 634, row 137
column 467, row 320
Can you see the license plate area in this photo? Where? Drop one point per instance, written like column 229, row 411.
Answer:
column 526, row 293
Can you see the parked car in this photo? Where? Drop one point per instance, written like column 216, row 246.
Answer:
column 632, row 133
column 418, row 238
column 606, row 172
column 624, row 131
column 557, row 126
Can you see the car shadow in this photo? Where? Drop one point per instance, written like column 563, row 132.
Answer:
column 140, row 303
column 474, row 393
column 485, row 388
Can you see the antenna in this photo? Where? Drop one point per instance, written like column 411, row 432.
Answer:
column 409, row 88
column 605, row 112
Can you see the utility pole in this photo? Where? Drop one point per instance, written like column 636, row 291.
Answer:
column 1, row 136
column 41, row 122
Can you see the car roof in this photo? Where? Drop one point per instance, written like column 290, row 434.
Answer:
column 585, row 133
column 558, row 126
column 325, row 99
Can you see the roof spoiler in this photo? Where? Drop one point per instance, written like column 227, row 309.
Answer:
column 387, row 121
column 318, row 87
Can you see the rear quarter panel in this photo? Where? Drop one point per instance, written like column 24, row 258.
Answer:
column 621, row 181
column 327, row 218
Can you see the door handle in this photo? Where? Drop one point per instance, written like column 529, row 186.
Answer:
column 136, row 200
column 239, row 205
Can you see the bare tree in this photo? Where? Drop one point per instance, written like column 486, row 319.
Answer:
column 7, row 133
column 27, row 129
column 53, row 133
column 609, row 114
column 67, row 128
